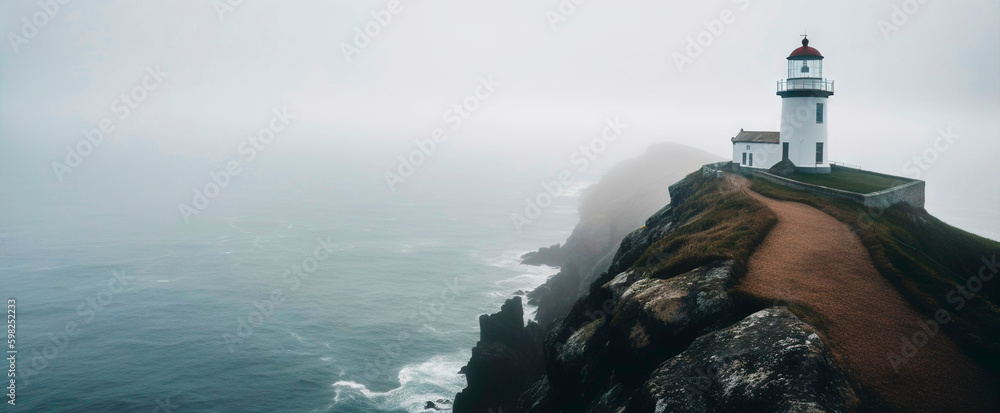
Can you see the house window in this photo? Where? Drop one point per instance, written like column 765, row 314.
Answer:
column 819, row 152
column 819, row 113
column 751, row 160
column 744, row 158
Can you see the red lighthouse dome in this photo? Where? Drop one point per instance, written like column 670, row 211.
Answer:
column 805, row 52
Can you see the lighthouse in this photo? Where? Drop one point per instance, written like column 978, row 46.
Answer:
column 805, row 112
column 804, row 116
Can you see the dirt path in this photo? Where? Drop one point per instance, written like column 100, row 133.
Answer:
column 812, row 258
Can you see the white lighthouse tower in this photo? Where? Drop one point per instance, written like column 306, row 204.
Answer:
column 804, row 111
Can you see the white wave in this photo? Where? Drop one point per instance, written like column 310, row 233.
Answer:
column 232, row 223
column 509, row 259
column 576, row 189
column 529, row 278
column 297, row 337
column 436, row 331
column 433, row 379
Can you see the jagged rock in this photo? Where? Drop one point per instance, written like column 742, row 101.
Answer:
column 507, row 360
column 439, row 404
column 537, row 399
column 769, row 362
column 553, row 256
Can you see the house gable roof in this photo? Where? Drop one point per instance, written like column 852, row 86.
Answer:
column 757, row 137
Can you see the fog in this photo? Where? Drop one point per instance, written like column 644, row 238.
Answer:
column 549, row 74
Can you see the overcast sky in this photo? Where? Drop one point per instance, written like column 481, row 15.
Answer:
column 901, row 76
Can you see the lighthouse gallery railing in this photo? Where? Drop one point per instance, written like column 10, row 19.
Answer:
column 805, row 84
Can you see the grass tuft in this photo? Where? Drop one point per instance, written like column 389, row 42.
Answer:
column 718, row 222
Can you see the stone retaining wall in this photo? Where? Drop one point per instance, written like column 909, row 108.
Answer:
column 911, row 193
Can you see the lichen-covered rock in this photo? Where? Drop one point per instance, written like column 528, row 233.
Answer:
column 769, row 362
column 657, row 318
column 676, row 304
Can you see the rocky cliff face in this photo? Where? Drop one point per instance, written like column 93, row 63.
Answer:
column 658, row 331
column 627, row 195
column 506, row 360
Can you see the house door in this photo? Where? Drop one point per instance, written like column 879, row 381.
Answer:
column 784, row 151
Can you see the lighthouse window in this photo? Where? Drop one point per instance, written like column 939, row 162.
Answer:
column 819, row 113
column 819, row 152
column 798, row 69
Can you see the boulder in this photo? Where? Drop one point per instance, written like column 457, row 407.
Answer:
column 658, row 318
column 771, row 361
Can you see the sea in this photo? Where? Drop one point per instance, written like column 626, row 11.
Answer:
column 316, row 291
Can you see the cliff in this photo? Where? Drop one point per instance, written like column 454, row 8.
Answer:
column 627, row 194
column 666, row 326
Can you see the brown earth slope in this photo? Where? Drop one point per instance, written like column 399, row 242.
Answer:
column 810, row 257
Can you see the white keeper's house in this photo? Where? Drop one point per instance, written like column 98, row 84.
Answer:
column 804, row 117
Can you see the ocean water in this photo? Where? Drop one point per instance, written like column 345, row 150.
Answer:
column 379, row 294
